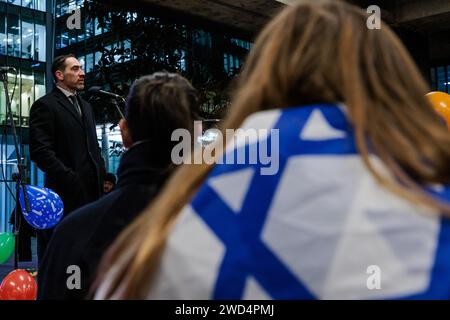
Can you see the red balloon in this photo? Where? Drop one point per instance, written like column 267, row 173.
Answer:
column 18, row 285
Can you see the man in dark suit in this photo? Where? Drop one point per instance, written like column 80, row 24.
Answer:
column 63, row 142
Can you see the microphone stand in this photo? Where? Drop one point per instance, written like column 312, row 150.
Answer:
column 114, row 101
column 19, row 177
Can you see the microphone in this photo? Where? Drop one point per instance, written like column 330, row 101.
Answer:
column 99, row 91
column 6, row 69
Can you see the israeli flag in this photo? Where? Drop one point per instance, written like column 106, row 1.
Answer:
column 320, row 228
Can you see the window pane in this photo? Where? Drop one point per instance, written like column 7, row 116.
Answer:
column 15, row 101
column 27, row 39
column 58, row 41
column 98, row 56
column 127, row 46
column 58, row 9
column 39, row 43
column 82, row 61
column 27, row 4
column 89, row 62
column 448, row 79
column 16, row 2
column 39, row 5
column 72, row 6
column 64, row 7
column 442, row 86
column 105, row 27
column 72, row 37
column 13, row 35
column 64, row 39
column 3, row 40
column 117, row 56
column 81, row 33
column 27, row 95
column 39, row 85
column 97, row 28
column 89, row 29
column 2, row 106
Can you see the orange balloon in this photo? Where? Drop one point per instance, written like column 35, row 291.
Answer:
column 441, row 104
column 18, row 285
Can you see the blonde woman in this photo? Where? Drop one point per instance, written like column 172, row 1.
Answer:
column 356, row 208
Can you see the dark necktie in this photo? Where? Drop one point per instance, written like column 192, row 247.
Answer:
column 74, row 100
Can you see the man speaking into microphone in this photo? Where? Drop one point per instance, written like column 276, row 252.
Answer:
column 63, row 142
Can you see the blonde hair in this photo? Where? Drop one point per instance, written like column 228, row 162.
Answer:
column 312, row 52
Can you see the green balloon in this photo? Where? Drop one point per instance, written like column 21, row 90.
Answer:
column 7, row 242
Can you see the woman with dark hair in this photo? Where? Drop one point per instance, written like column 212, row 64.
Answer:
column 157, row 104
column 358, row 208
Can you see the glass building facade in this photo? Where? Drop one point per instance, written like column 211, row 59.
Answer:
column 39, row 5
column 24, row 46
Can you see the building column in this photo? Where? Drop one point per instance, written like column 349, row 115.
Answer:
column 50, row 42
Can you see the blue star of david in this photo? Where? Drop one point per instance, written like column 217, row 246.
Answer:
column 241, row 232
column 247, row 255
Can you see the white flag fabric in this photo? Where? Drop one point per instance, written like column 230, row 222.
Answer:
column 320, row 228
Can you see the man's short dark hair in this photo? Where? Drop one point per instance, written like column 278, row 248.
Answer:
column 111, row 177
column 60, row 64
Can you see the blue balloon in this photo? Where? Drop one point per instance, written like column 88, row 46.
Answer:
column 46, row 207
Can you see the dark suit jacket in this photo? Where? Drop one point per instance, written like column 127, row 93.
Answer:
column 65, row 147
column 84, row 236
